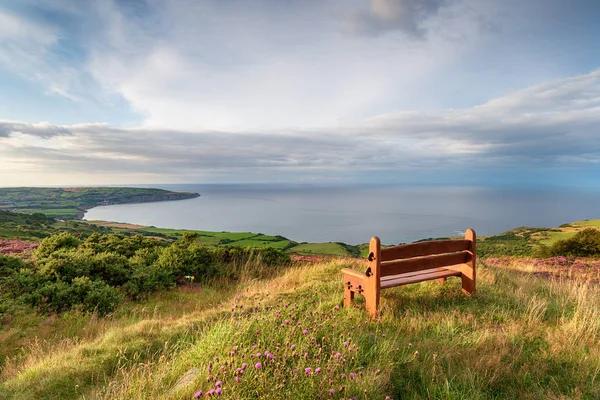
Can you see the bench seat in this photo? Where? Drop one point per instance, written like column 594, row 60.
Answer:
column 417, row 276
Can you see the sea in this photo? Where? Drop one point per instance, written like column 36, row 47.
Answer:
column 353, row 213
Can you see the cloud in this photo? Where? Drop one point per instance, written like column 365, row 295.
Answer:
column 43, row 129
column 383, row 16
column 557, row 127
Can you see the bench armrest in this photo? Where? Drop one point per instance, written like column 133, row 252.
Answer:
column 353, row 273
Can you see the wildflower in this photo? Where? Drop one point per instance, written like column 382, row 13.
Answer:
column 257, row 331
column 383, row 335
column 317, row 370
column 293, row 346
column 218, row 391
column 198, row 394
column 338, row 355
column 410, row 345
column 305, row 331
column 345, row 343
column 258, row 355
column 388, row 398
column 331, row 392
column 307, row 371
column 351, row 375
column 219, row 383
column 271, row 356
column 337, row 307
column 258, row 365
column 244, row 365
column 417, row 353
column 237, row 379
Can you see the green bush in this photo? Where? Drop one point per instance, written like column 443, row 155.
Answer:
column 54, row 243
column 94, row 274
column 585, row 243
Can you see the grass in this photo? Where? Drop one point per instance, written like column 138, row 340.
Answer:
column 519, row 336
column 329, row 248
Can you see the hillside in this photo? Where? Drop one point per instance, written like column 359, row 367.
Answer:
column 520, row 336
column 71, row 203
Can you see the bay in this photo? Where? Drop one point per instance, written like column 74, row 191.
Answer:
column 354, row 213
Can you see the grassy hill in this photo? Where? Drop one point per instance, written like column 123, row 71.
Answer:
column 520, row 336
column 71, row 203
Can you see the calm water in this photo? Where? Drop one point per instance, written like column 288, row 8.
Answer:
column 353, row 214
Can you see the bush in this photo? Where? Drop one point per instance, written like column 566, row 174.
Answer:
column 82, row 292
column 95, row 273
column 585, row 243
column 54, row 243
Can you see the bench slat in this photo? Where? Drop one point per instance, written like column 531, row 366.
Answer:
column 422, row 263
column 423, row 249
column 426, row 275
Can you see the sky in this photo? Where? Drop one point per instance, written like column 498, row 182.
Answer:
column 459, row 92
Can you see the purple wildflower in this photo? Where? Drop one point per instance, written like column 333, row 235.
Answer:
column 244, row 365
column 351, row 375
column 305, row 331
column 258, row 365
column 307, row 371
column 198, row 394
column 293, row 346
column 218, row 383
column 337, row 308
column 331, row 392
column 218, row 391
column 317, row 370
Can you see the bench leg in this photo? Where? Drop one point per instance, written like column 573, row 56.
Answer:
column 468, row 284
column 348, row 297
column 442, row 280
column 372, row 303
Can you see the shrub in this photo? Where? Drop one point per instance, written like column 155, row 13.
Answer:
column 54, row 243
column 585, row 243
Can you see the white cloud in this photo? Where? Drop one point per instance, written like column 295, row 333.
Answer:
column 495, row 134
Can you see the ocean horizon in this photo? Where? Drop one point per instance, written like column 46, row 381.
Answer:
column 353, row 213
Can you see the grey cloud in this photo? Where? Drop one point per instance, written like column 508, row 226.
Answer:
column 496, row 134
column 42, row 129
column 389, row 15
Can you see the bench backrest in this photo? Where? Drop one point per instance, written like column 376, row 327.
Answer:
column 420, row 256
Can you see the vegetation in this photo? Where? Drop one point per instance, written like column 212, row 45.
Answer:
column 519, row 336
column 585, row 243
column 71, row 203
column 95, row 273
column 38, row 226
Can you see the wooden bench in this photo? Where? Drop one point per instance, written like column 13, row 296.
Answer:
column 411, row 263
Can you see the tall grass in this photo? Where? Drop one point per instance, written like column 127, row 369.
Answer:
column 519, row 336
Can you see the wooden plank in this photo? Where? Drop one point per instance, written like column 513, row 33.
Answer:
column 423, row 249
column 416, row 273
column 400, row 280
column 468, row 274
column 422, row 263
column 373, row 281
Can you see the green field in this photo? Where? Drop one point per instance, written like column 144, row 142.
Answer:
column 71, row 203
column 311, row 249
